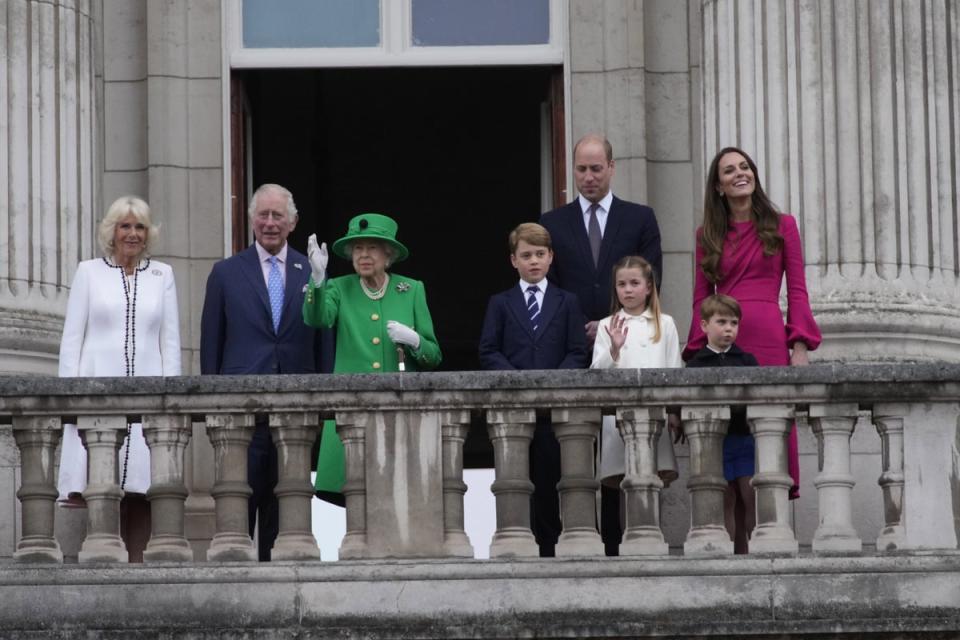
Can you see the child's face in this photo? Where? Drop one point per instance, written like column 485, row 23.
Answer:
column 721, row 330
column 531, row 261
column 632, row 290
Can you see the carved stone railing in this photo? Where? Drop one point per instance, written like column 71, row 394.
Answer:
column 403, row 436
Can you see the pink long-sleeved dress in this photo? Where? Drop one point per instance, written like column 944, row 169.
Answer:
column 755, row 280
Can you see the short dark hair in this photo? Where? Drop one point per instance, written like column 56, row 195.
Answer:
column 719, row 304
column 531, row 233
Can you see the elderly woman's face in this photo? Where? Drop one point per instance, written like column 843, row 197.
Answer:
column 369, row 258
column 129, row 238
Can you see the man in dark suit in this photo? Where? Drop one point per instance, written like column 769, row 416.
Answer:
column 536, row 326
column 590, row 235
column 252, row 324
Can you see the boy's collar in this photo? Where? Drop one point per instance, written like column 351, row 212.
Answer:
column 727, row 350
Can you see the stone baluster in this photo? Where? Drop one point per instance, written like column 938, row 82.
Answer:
column 352, row 429
column 294, row 433
column 640, row 428
column 37, row 438
column 230, row 435
column 888, row 419
column 102, row 436
column 576, row 430
column 454, row 428
column 833, row 426
column 510, row 432
column 167, row 436
column 770, row 425
column 706, row 427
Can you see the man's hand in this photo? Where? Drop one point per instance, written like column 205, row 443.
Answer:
column 402, row 334
column 318, row 259
column 591, row 329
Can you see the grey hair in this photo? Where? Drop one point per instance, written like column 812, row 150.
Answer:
column 291, row 207
column 120, row 208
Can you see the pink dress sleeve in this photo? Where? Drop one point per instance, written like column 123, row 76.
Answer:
column 696, row 338
column 801, row 327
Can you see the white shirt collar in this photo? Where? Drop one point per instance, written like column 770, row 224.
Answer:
column 542, row 285
column 715, row 351
column 604, row 203
column 265, row 255
column 647, row 314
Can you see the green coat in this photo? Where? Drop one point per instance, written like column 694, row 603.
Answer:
column 363, row 345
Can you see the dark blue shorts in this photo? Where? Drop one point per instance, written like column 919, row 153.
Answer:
column 738, row 456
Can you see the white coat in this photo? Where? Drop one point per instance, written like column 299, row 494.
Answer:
column 92, row 345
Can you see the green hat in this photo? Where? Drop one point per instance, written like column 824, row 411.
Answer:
column 371, row 226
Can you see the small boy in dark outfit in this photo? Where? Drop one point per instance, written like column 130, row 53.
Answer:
column 720, row 320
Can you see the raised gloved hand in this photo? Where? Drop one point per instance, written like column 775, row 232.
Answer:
column 318, row 259
column 402, row 334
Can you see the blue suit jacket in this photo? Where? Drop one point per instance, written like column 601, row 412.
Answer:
column 631, row 229
column 236, row 330
column 508, row 341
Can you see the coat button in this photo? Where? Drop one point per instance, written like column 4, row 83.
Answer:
column 375, row 317
column 376, row 365
column 375, row 340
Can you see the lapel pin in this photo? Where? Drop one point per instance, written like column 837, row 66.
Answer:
column 297, row 265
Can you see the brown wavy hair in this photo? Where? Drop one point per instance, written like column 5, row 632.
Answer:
column 716, row 217
column 653, row 300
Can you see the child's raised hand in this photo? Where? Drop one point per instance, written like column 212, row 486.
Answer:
column 617, row 330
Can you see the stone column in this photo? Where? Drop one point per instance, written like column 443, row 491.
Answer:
column 37, row 438
column 295, row 434
column 888, row 419
column 833, row 426
column 455, row 425
column 167, row 436
column 352, row 429
column 640, row 429
column 770, row 425
column 705, row 428
column 102, row 436
column 230, row 434
column 49, row 164
column 849, row 109
column 511, row 431
column 576, row 430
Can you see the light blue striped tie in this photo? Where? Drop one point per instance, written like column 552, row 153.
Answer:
column 275, row 289
column 532, row 307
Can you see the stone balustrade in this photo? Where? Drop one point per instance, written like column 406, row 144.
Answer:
column 404, row 434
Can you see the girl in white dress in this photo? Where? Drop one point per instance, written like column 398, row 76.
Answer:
column 636, row 336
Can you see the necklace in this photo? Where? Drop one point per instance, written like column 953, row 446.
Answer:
column 129, row 335
column 375, row 294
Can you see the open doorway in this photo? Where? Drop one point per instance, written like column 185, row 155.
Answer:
column 456, row 155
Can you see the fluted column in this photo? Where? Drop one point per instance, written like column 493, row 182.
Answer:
column 888, row 419
column 833, row 426
column 576, row 430
column 454, row 428
column 640, row 429
column 705, row 428
column 849, row 109
column 230, row 435
column 295, row 433
column 770, row 426
column 510, row 433
column 48, row 172
column 37, row 438
column 102, row 436
column 167, row 436
column 352, row 427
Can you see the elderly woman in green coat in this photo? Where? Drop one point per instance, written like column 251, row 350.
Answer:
column 382, row 320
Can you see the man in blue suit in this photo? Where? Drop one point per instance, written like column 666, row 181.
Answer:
column 252, row 324
column 536, row 325
column 590, row 235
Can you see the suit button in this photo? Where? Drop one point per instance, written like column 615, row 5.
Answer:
column 376, row 365
column 375, row 340
column 375, row 317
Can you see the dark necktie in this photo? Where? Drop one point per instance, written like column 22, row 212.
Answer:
column 533, row 309
column 593, row 233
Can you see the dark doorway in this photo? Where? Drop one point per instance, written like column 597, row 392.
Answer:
column 453, row 154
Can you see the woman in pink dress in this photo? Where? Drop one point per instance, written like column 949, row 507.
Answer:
column 744, row 248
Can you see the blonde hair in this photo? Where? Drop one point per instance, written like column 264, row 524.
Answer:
column 531, row 233
column 653, row 300
column 121, row 208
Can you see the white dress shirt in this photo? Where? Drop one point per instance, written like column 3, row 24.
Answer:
column 264, row 256
column 542, row 285
column 602, row 210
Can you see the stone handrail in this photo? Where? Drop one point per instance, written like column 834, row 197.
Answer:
column 412, row 426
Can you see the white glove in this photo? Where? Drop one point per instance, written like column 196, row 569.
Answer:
column 402, row 334
column 318, row 259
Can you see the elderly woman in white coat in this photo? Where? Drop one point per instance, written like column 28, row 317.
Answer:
column 121, row 320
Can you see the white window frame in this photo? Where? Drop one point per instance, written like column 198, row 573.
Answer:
column 396, row 47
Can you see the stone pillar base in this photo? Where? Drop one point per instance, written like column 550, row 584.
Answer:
column 168, row 548
column 102, row 548
column 37, row 550
column 514, row 543
column 295, row 546
column 709, row 541
column 580, row 542
column 231, row 547
column 353, row 546
column 457, row 544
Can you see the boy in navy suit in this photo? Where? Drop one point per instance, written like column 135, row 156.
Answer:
column 536, row 326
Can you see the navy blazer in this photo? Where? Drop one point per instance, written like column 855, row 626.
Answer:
column 508, row 341
column 631, row 229
column 236, row 329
